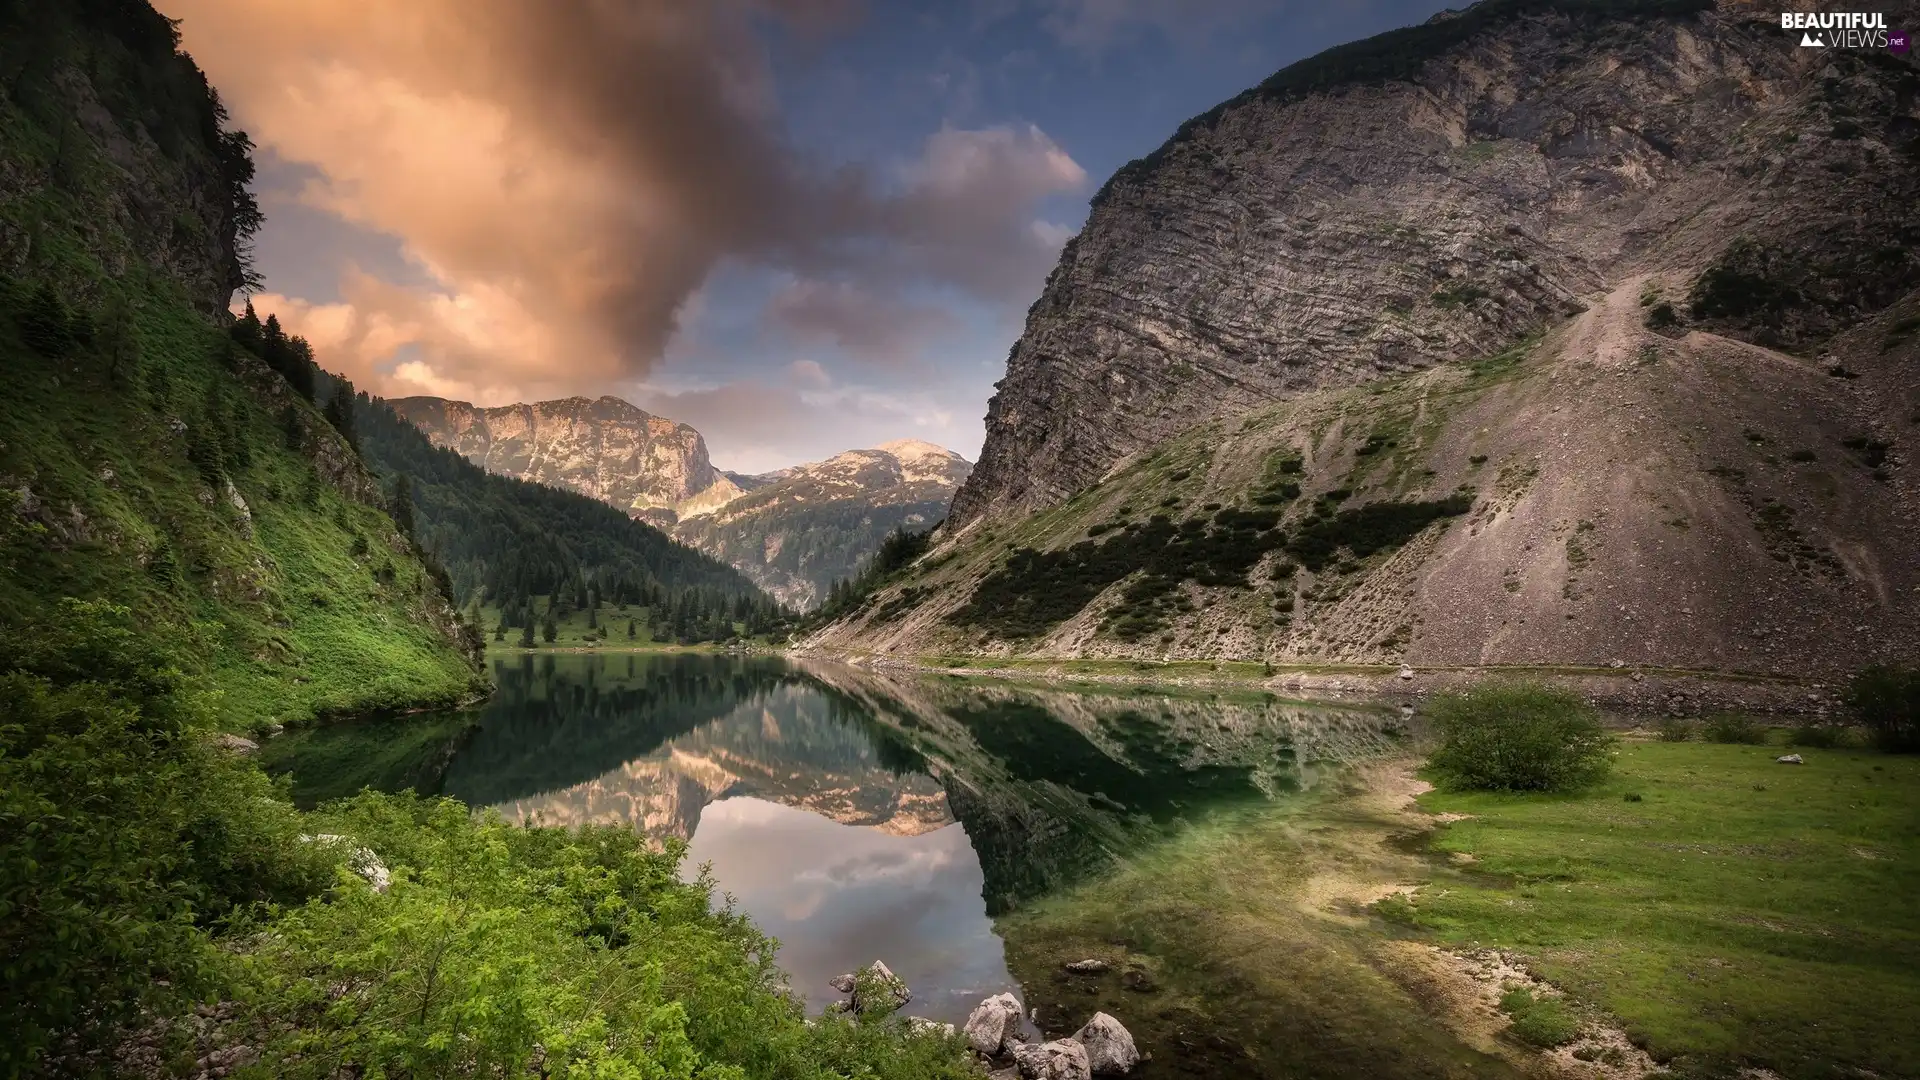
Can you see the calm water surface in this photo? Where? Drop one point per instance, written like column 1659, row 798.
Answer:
column 854, row 816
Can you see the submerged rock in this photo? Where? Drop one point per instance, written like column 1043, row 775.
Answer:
column 1109, row 1045
column 1061, row 1059
column 993, row 1024
column 1088, row 967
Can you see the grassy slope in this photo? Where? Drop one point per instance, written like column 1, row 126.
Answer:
column 1743, row 909
column 287, row 620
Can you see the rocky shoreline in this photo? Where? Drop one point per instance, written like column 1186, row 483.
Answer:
column 996, row 1030
column 1633, row 690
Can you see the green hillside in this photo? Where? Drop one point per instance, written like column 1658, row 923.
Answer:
column 145, row 458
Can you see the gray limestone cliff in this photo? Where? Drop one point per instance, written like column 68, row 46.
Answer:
column 604, row 448
column 1436, row 193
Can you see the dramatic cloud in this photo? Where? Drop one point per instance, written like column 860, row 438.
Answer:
column 564, row 174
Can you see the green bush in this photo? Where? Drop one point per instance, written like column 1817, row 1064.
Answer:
column 1518, row 737
column 1731, row 727
column 1675, row 729
column 1545, row 1022
column 123, row 833
column 1817, row 736
column 1886, row 700
column 500, row 950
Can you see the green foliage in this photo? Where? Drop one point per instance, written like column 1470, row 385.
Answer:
column 1662, row 316
column 1674, row 729
column 1517, row 737
column 123, row 831
column 1817, row 736
column 1886, row 699
column 1365, row 530
column 499, row 949
column 1541, row 1020
column 1459, row 295
column 898, row 551
column 507, row 540
column 1732, row 728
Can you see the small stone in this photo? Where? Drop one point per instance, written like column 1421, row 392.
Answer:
column 1637, row 677
column 1790, row 759
column 1406, row 673
column 1088, row 967
column 235, row 744
column 1616, row 662
column 1109, row 1045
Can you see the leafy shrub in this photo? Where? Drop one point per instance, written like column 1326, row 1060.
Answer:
column 1674, row 729
column 1886, row 700
column 1662, row 316
column 1518, row 737
column 500, row 950
column 1545, row 1022
column 1816, row 736
column 1732, row 727
column 121, row 828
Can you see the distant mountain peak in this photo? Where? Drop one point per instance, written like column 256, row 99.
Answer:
column 915, row 448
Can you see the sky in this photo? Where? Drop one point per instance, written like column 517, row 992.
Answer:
column 801, row 226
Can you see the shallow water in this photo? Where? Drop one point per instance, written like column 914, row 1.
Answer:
column 854, row 816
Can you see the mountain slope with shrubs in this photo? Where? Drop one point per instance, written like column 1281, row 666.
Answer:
column 1573, row 334
column 187, row 544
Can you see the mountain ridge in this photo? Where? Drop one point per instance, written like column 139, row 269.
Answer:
column 1568, row 340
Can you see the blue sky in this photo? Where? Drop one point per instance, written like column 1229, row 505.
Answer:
column 839, row 252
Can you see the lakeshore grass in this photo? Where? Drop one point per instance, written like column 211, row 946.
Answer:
column 1738, row 913
column 1230, row 958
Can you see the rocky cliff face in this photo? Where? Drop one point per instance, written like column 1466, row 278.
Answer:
column 605, row 448
column 801, row 529
column 1550, row 338
column 1433, row 194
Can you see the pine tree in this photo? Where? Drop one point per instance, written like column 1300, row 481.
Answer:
column 550, row 630
column 632, row 630
column 401, row 505
column 500, row 632
column 45, row 326
column 291, row 427
column 339, row 410
column 526, row 636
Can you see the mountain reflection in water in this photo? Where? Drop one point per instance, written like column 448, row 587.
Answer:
column 856, row 816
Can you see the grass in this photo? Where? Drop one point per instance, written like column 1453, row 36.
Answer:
column 1741, row 912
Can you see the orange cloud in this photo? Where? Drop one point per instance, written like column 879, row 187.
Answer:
column 566, row 173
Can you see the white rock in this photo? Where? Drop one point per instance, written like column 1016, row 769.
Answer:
column 920, row 1025
column 1087, row 967
column 360, row 859
column 1789, row 759
column 993, row 1023
column 235, row 744
column 1061, row 1059
column 1109, row 1045
column 883, row 990
column 1406, row 673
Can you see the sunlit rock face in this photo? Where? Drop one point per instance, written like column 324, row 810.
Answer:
column 604, row 448
column 785, row 748
column 1327, row 229
column 797, row 531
